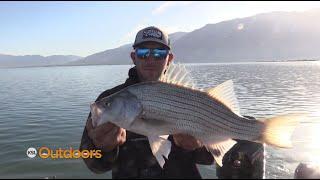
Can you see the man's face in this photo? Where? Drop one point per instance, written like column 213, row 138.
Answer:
column 150, row 68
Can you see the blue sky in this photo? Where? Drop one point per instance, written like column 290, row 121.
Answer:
column 84, row 28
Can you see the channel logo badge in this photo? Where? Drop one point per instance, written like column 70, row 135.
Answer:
column 45, row 152
column 31, row 152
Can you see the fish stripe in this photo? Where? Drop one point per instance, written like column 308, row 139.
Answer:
column 216, row 105
column 192, row 113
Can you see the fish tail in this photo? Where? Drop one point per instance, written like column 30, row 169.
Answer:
column 278, row 130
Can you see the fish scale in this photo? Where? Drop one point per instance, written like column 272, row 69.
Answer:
column 174, row 102
column 217, row 105
column 170, row 116
column 158, row 92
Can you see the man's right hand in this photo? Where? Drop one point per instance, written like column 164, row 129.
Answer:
column 106, row 136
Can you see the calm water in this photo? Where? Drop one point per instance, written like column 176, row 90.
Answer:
column 48, row 106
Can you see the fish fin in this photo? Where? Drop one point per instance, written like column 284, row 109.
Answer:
column 278, row 130
column 164, row 136
column 219, row 149
column 225, row 94
column 160, row 147
column 178, row 74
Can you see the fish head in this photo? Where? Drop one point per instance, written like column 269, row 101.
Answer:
column 121, row 108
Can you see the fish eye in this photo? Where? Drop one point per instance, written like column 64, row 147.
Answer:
column 108, row 104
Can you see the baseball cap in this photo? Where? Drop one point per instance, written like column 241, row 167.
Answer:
column 153, row 34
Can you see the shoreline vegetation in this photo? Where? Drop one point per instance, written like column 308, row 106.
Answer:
column 259, row 61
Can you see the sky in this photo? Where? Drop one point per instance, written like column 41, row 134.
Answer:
column 84, row 28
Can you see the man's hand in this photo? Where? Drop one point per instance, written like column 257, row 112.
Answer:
column 106, row 136
column 186, row 141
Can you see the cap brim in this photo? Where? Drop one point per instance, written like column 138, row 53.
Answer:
column 135, row 45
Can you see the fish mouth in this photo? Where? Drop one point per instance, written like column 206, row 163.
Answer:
column 95, row 114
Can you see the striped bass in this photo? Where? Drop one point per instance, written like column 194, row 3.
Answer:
column 160, row 108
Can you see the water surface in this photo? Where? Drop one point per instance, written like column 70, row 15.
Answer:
column 48, row 106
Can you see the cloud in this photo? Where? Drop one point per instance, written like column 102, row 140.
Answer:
column 166, row 5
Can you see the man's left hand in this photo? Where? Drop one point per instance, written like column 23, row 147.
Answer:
column 186, row 141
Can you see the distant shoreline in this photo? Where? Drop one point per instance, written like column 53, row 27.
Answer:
column 66, row 65
column 296, row 60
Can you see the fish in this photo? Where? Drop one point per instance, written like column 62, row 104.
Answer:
column 173, row 105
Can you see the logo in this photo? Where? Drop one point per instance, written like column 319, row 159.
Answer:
column 152, row 33
column 45, row 153
column 31, row 152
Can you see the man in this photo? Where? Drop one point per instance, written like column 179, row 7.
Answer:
column 127, row 154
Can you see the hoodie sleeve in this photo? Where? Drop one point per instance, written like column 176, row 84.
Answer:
column 97, row 165
column 105, row 163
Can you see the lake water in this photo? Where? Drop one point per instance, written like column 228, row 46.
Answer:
column 48, row 106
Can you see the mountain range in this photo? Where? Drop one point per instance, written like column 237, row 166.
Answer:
column 273, row 36
column 35, row 60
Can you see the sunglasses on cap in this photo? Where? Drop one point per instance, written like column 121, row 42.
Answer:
column 156, row 53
